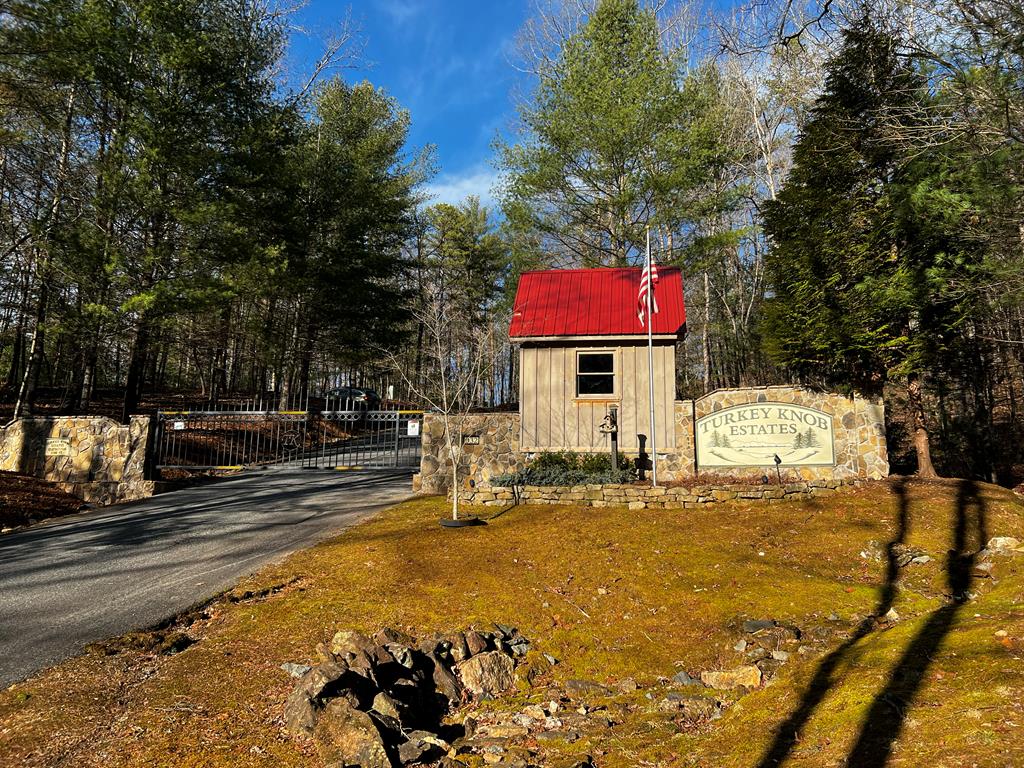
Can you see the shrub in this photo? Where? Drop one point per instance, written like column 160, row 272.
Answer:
column 567, row 468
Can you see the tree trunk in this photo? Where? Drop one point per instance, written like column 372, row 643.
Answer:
column 922, row 441
column 136, row 371
column 27, row 390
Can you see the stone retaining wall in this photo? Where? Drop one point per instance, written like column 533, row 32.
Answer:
column 645, row 497
column 104, row 463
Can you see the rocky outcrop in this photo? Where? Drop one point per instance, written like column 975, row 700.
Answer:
column 379, row 702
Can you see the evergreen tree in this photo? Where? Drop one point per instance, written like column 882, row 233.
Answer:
column 614, row 139
column 862, row 296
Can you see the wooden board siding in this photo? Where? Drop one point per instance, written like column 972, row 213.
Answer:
column 553, row 418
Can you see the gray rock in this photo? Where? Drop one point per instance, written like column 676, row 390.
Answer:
column 520, row 646
column 740, row 646
column 345, row 737
column 1002, row 544
column 422, row 747
column 568, row 736
column 487, row 674
column 300, row 712
column 389, row 636
column 507, row 731
column 319, row 678
column 507, row 632
column 683, row 678
column 983, row 570
column 458, row 649
column 362, row 664
column 385, row 705
column 694, row 707
column 534, row 711
column 769, row 667
column 905, row 555
column 475, row 642
column 780, row 655
column 435, row 643
column 402, row 654
column 349, row 641
column 750, row 626
column 446, row 683
column 550, row 659
column 295, row 670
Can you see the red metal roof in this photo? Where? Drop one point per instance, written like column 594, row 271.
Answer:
column 593, row 302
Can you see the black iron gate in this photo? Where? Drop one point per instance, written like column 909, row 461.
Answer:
column 233, row 440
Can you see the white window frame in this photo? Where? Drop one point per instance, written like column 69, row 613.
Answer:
column 616, row 371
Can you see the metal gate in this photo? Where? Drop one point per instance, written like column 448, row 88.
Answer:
column 233, row 440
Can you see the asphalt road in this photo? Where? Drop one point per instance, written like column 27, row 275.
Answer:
column 103, row 573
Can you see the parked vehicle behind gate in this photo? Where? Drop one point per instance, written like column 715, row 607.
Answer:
column 352, row 399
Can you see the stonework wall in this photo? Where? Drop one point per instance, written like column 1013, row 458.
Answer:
column 496, row 454
column 644, row 497
column 858, row 427
column 105, row 461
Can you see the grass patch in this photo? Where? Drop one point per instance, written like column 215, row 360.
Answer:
column 611, row 594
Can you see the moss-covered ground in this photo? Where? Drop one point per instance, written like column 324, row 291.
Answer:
column 612, row 594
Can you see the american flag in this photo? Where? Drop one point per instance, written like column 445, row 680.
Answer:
column 648, row 279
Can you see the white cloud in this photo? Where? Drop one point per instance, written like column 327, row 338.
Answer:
column 455, row 187
column 401, row 11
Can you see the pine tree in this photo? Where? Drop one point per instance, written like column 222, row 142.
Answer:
column 614, row 139
column 863, row 296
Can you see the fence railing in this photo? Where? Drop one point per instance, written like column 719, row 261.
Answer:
column 224, row 440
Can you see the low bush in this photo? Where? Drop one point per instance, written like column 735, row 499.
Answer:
column 567, row 468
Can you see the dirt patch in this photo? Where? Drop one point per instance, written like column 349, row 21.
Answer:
column 25, row 500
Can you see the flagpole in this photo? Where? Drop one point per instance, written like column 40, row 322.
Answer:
column 650, row 361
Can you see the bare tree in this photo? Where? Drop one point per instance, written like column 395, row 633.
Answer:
column 457, row 357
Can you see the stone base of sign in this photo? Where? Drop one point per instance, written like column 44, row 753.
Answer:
column 92, row 457
column 857, row 427
column 645, row 497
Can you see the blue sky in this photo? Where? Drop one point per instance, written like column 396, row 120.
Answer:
column 447, row 62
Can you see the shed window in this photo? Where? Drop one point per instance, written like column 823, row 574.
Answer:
column 595, row 373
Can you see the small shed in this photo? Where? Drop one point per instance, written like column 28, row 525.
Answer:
column 582, row 349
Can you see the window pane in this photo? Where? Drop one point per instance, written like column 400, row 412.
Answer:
column 599, row 362
column 595, row 384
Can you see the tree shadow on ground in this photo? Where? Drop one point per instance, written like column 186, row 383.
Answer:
column 885, row 718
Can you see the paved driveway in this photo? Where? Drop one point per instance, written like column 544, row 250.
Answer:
column 103, row 573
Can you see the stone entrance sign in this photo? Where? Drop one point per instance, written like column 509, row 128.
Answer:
column 753, row 435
